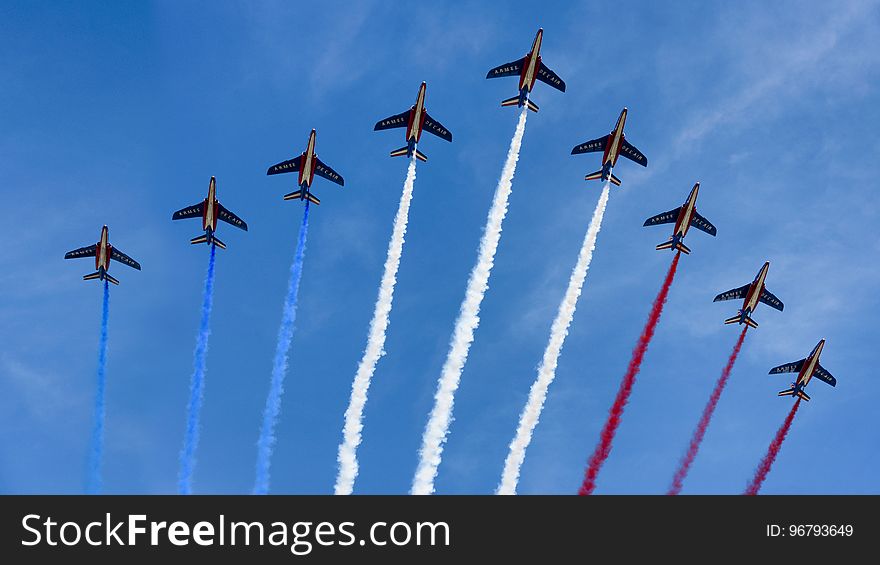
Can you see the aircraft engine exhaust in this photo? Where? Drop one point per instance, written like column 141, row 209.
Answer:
column 603, row 448
column 266, row 439
column 770, row 457
column 197, row 384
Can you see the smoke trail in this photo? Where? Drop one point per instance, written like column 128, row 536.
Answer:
column 197, row 386
column 603, row 448
column 697, row 438
column 347, row 457
column 96, row 453
column 279, row 364
column 767, row 462
column 547, row 370
column 468, row 319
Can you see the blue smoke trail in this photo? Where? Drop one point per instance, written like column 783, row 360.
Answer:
column 96, row 453
column 197, row 385
column 279, row 365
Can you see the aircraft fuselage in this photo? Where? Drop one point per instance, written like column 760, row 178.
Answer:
column 531, row 65
column 810, row 365
column 755, row 290
column 307, row 166
column 102, row 254
column 683, row 223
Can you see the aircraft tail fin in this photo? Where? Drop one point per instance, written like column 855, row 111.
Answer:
column 293, row 195
column 793, row 392
column 400, row 152
column 204, row 239
column 677, row 245
column 100, row 275
column 511, row 101
column 742, row 318
column 421, row 156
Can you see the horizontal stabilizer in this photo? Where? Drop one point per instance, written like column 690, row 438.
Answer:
column 615, row 180
column 421, row 156
column 594, row 176
column 532, row 106
column 789, row 392
column 803, row 395
column 92, row 276
column 739, row 318
column 400, row 152
column 199, row 239
column 678, row 246
column 511, row 101
column 293, row 195
column 312, row 198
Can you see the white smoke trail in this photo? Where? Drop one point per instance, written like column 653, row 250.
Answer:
column 547, row 370
column 468, row 319
column 347, row 457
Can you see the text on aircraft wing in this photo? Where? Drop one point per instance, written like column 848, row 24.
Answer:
column 289, row 166
column 230, row 218
column 769, row 299
column 397, row 121
column 793, row 367
column 630, row 152
column 118, row 255
column 88, row 251
column 433, row 126
column 189, row 211
column 507, row 70
column 323, row 170
column 664, row 218
column 591, row 146
column 824, row 376
column 702, row 224
column 547, row 76
column 733, row 293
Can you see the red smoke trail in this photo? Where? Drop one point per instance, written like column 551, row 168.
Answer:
column 603, row 449
column 772, row 452
column 694, row 446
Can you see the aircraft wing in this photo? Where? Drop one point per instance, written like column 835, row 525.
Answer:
column 630, row 152
column 435, row 127
column 547, row 76
column 591, row 146
column 664, row 218
column 702, row 224
column 793, row 367
column 823, row 375
column 289, row 166
column 88, row 251
column 733, row 293
column 190, row 211
column 391, row 122
column 118, row 255
column 769, row 299
column 323, row 170
column 507, row 70
column 230, row 218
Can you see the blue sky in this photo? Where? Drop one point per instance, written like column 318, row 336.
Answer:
column 119, row 114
